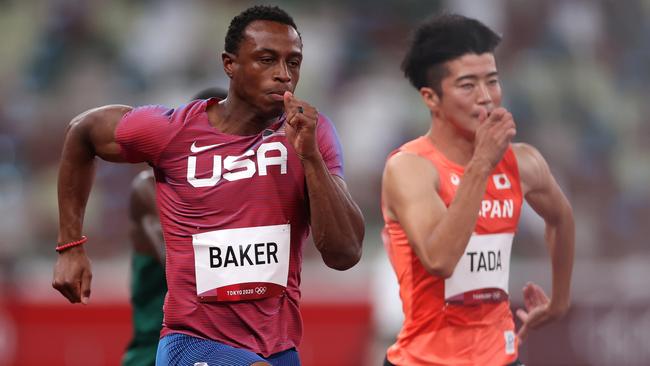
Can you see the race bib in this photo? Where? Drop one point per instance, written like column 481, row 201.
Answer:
column 242, row 264
column 483, row 271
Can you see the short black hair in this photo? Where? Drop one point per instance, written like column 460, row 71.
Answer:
column 442, row 38
column 239, row 23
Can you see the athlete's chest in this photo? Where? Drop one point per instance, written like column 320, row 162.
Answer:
column 200, row 167
column 500, row 207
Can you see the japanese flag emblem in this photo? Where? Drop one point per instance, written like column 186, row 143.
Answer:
column 501, row 181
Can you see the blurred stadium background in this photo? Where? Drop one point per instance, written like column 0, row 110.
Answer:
column 574, row 73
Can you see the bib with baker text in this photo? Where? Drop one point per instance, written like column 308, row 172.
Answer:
column 242, row 264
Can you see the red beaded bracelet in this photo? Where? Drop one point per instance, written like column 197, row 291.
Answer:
column 62, row 247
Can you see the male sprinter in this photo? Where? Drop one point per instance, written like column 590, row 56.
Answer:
column 148, row 284
column 451, row 201
column 239, row 183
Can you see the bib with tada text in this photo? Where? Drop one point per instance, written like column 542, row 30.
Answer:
column 242, row 264
column 482, row 273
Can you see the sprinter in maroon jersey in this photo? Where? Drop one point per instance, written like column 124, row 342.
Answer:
column 239, row 183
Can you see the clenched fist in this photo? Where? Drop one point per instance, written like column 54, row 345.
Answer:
column 301, row 126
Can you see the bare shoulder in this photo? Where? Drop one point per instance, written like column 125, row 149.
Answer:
column 144, row 181
column 405, row 165
column 143, row 192
column 525, row 151
column 113, row 109
column 408, row 160
column 533, row 168
column 105, row 113
column 407, row 179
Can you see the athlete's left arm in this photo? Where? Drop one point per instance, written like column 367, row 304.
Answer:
column 544, row 195
column 336, row 220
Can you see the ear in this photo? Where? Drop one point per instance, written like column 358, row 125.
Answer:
column 430, row 98
column 229, row 63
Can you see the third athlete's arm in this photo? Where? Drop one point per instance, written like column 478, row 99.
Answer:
column 146, row 231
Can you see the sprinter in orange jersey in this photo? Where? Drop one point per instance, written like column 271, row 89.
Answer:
column 451, row 201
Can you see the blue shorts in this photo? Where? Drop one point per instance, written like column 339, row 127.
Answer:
column 181, row 349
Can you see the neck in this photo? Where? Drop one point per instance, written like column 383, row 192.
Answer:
column 235, row 116
column 452, row 143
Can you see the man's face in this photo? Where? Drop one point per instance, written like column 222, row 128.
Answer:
column 266, row 65
column 470, row 91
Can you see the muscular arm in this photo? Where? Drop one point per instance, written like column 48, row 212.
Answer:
column 146, row 232
column 336, row 220
column 437, row 234
column 544, row 195
column 90, row 134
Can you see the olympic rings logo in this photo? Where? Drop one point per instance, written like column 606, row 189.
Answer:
column 260, row 290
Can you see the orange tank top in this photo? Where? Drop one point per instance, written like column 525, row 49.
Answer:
column 465, row 319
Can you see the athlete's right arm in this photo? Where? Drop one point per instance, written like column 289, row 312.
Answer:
column 439, row 234
column 90, row 134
